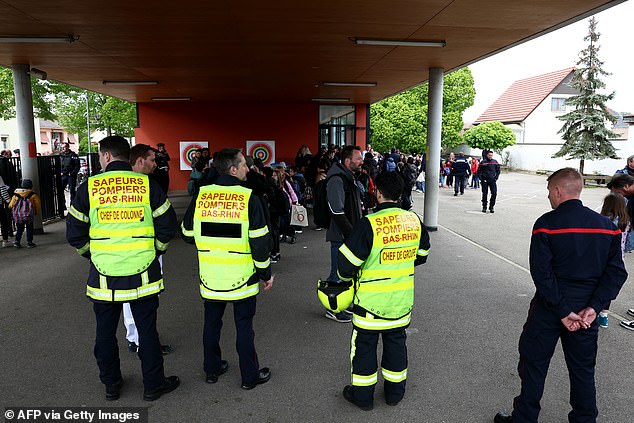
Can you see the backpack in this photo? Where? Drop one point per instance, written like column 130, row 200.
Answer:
column 409, row 176
column 321, row 210
column 193, row 185
column 23, row 210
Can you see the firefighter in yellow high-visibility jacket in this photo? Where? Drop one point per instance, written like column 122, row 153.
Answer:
column 380, row 256
column 122, row 221
column 227, row 224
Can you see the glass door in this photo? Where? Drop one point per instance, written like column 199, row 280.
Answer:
column 336, row 125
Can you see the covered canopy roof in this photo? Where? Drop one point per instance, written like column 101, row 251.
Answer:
column 247, row 50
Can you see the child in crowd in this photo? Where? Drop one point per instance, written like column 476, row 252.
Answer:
column 615, row 208
column 25, row 204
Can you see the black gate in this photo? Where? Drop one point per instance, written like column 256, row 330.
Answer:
column 51, row 193
column 11, row 172
column 50, row 182
column 49, row 169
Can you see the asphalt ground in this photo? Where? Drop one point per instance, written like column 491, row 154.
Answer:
column 471, row 301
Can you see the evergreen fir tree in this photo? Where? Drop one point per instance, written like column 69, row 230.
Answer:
column 584, row 132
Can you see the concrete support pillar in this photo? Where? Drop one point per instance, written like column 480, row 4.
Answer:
column 434, row 125
column 26, row 130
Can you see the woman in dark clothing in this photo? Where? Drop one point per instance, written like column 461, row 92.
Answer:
column 272, row 199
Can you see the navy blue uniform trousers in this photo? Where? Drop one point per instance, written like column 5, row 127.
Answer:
column 363, row 356
column 486, row 185
column 107, row 350
column 539, row 338
column 243, row 312
column 459, row 183
column 71, row 181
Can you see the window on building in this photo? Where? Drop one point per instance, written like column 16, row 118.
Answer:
column 336, row 125
column 558, row 104
column 56, row 138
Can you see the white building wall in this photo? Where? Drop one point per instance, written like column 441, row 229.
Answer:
column 9, row 128
column 538, row 157
column 541, row 140
column 542, row 125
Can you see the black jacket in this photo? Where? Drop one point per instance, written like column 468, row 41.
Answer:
column 460, row 167
column 344, row 201
column 575, row 256
column 70, row 163
column 77, row 231
column 489, row 170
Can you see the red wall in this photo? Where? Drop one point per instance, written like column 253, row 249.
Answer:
column 361, row 136
column 232, row 124
column 227, row 125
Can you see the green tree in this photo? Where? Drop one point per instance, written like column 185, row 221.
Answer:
column 106, row 113
column 401, row 120
column 585, row 134
column 43, row 93
column 67, row 106
column 489, row 136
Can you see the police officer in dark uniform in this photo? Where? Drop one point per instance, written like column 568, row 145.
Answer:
column 380, row 256
column 577, row 267
column 70, row 169
column 122, row 221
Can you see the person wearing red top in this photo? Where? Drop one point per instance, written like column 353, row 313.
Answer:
column 475, row 179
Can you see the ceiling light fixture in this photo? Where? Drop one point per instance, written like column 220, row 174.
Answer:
column 370, row 42
column 171, row 98
column 349, row 84
column 38, row 38
column 130, row 82
column 331, row 100
column 39, row 74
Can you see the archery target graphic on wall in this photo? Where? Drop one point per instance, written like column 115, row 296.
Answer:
column 263, row 150
column 187, row 151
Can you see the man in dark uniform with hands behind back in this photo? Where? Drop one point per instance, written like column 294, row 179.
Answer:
column 577, row 267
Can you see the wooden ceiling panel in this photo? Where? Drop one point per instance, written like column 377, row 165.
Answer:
column 248, row 50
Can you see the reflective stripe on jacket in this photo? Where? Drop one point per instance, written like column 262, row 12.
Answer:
column 385, row 288
column 121, row 224
column 221, row 232
column 147, row 288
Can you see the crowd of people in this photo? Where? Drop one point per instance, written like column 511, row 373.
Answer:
column 240, row 212
column 281, row 186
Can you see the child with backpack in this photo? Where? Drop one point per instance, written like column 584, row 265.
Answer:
column 25, row 204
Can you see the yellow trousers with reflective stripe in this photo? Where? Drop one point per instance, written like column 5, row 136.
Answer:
column 363, row 361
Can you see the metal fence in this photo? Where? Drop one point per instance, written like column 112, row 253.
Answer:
column 51, row 193
column 50, row 181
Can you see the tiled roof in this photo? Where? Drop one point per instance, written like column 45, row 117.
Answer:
column 49, row 124
column 522, row 97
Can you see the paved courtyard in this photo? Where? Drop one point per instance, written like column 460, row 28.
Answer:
column 471, row 301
